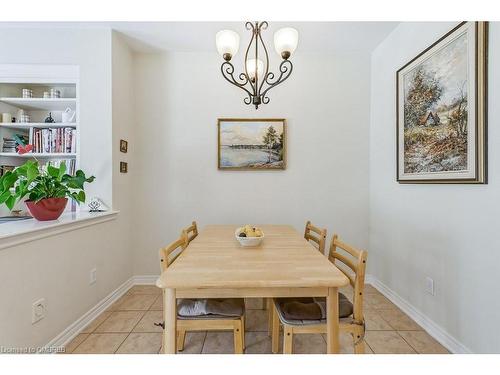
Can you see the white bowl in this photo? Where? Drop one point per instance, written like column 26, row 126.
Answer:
column 248, row 241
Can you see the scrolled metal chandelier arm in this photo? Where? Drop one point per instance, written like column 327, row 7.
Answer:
column 257, row 80
column 227, row 70
column 285, row 69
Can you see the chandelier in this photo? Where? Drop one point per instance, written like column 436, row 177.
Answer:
column 257, row 80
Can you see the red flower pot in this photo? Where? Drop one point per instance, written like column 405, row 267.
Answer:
column 47, row 209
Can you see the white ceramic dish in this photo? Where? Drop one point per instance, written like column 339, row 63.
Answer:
column 248, row 241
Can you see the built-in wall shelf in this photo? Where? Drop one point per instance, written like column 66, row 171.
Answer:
column 28, row 125
column 52, row 142
column 58, row 155
column 41, row 104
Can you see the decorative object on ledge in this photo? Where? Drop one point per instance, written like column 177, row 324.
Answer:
column 97, row 205
column 68, row 115
column 50, row 119
column 123, row 167
column 48, row 188
column 123, row 146
column 246, row 144
column 441, row 110
column 257, row 80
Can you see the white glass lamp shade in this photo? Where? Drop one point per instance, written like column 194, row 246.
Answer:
column 252, row 67
column 285, row 41
column 227, row 42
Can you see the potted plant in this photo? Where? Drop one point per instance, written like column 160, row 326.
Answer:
column 47, row 188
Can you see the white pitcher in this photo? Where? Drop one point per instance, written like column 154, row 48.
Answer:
column 68, row 115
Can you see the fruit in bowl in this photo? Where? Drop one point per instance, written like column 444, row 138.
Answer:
column 249, row 235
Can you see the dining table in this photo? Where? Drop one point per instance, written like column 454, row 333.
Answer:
column 215, row 265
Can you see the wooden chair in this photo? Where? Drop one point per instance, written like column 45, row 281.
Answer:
column 190, row 233
column 203, row 322
column 352, row 262
column 316, row 235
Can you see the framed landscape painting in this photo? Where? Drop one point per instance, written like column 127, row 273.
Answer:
column 441, row 110
column 251, row 144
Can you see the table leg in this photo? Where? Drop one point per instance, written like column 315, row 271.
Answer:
column 170, row 316
column 332, row 321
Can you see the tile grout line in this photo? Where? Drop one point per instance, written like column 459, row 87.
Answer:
column 143, row 314
column 372, row 351
column 81, row 342
column 410, row 345
column 119, row 346
column 203, row 344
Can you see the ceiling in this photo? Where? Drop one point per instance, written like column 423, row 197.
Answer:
column 314, row 37
column 330, row 37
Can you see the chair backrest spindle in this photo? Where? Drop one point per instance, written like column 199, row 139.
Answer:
column 167, row 256
column 190, row 233
column 316, row 235
column 355, row 262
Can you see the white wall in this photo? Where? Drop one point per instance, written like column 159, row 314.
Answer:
column 57, row 268
column 123, row 128
column 179, row 97
column 446, row 232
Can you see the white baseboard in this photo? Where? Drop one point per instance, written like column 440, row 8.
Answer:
column 74, row 329
column 432, row 328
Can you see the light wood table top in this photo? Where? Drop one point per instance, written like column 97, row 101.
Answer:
column 215, row 259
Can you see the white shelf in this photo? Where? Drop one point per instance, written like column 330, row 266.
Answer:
column 59, row 155
column 28, row 125
column 47, row 104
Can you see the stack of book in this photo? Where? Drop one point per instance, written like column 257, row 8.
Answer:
column 53, row 140
column 10, row 144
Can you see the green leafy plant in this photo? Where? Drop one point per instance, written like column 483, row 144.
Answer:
column 39, row 183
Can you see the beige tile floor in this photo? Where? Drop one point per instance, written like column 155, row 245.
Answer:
column 127, row 327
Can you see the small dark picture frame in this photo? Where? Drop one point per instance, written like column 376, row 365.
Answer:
column 123, row 145
column 123, row 167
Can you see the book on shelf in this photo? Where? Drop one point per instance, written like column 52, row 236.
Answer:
column 53, row 140
column 10, row 144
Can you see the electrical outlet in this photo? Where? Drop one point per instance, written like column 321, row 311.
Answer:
column 93, row 276
column 429, row 286
column 38, row 310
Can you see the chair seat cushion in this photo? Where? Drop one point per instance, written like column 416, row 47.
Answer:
column 308, row 310
column 213, row 308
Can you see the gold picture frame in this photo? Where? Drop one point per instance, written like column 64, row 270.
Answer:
column 251, row 144
column 442, row 138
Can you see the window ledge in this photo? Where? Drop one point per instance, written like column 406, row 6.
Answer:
column 15, row 233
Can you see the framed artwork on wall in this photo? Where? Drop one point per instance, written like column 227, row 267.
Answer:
column 251, row 144
column 441, row 110
column 123, row 146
